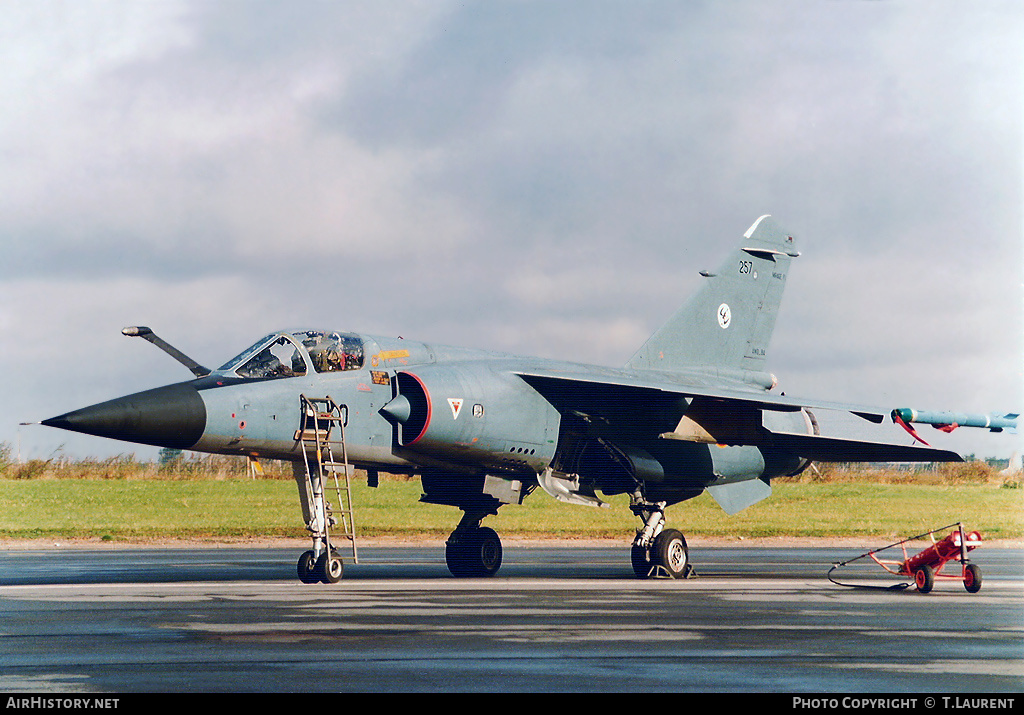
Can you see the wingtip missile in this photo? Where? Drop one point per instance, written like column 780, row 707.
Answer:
column 948, row 421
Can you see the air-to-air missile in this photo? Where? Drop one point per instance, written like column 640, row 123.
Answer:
column 949, row 421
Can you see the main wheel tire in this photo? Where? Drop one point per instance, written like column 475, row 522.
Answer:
column 488, row 547
column 924, row 578
column 641, row 559
column 473, row 552
column 457, row 554
column 972, row 578
column 670, row 552
column 307, row 568
column 455, row 557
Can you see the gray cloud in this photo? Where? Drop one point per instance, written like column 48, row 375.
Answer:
column 535, row 177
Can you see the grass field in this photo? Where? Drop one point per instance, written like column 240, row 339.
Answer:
column 138, row 509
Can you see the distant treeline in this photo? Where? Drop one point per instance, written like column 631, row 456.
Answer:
column 178, row 464
column 949, row 473
column 171, row 464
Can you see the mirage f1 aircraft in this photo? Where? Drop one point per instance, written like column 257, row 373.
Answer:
column 693, row 410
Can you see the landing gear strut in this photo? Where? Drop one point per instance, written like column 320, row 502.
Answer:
column 473, row 550
column 658, row 552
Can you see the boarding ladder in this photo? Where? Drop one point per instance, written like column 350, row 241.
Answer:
column 320, row 416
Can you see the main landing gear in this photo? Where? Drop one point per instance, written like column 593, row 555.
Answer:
column 658, row 552
column 473, row 550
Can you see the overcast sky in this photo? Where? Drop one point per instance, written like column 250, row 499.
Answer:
column 538, row 177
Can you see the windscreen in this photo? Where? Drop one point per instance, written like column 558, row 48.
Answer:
column 280, row 358
column 237, row 359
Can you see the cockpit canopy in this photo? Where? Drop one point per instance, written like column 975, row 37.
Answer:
column 291, row 354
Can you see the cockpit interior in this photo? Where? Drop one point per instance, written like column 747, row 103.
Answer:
column 294, row 353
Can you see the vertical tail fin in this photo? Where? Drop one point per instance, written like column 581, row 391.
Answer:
column 729, row 322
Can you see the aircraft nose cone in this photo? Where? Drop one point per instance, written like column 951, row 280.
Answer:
column 171, row 416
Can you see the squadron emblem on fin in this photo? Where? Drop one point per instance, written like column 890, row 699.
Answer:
column 724, row 315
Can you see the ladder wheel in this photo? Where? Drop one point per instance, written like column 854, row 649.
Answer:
column 306, row 568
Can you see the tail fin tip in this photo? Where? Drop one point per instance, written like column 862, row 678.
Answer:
column 766, row 237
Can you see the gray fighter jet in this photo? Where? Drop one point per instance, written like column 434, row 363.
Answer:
column 694, row 409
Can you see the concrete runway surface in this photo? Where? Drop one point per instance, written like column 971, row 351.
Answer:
column 556, row 619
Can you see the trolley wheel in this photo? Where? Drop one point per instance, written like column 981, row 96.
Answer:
column 924, row 578
column 972, row 578
column 306, row 568
column 330, row 568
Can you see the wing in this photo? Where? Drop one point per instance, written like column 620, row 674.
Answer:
column 649, row 405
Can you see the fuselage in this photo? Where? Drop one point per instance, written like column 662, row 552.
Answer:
column 412, row 407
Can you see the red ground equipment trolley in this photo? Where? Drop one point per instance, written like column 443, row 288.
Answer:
column 928, row 565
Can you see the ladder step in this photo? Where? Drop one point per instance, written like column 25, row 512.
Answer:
column 324, row 416
column 340, row 468
column 312, row 436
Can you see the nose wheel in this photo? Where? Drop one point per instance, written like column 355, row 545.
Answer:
column 325, row 568
column 306, row 568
